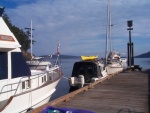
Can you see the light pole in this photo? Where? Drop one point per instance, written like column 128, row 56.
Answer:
column 130, row 45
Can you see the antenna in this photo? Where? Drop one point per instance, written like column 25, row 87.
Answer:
column 31, row 35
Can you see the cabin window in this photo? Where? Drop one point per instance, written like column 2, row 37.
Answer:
column 23, row 85
column 19, row 65
column 3, row 66
column 26, row 84
column 50, row 77
column 43, row 79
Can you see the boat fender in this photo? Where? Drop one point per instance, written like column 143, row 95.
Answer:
column 81, row 80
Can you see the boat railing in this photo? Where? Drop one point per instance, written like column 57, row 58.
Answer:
column 25, row 78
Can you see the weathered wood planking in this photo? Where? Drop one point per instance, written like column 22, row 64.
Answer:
column 124, row 93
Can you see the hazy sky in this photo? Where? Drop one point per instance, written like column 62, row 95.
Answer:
column 80, row 25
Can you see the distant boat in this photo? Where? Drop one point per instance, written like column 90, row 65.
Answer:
column 22, row 89
column 89, row 57
column 37, row 62
column 124, row 60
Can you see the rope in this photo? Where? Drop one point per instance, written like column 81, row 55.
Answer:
column 65, row 77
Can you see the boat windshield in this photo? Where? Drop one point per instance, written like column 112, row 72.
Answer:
column 19, row 65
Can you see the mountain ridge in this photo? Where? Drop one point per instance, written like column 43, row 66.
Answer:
column 144, row 55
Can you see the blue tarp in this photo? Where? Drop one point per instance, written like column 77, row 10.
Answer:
column 51, row 109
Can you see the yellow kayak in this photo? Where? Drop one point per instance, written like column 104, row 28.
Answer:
column 89, row 57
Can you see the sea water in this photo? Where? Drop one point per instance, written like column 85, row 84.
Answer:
column 143, row 62
column 63, row 85
column 67, row 65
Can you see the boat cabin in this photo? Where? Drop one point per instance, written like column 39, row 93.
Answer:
column 13, row 65
column 12, row 62
column 86, row 72
column 88, row 69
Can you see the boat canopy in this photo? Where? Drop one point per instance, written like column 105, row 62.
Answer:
column 88, row 69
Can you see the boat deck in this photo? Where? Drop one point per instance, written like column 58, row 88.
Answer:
column 127, row 92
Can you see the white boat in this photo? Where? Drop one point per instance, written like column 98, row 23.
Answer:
column 22, row 89
column 86, row 72
column 114, row 68
column 124, row 60
column 113, row 63
column 37, row 62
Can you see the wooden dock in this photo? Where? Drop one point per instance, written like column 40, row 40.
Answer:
column 127, row 92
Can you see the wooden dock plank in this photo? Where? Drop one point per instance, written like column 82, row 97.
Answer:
column 127, row 92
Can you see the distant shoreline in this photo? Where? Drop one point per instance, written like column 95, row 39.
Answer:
column 144, row 55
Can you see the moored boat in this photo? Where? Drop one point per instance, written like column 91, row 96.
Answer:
column 38, row 63
column 85, row 72
column 22, row 89
column 113, row 61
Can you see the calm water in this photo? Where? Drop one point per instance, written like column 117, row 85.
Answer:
column 143, row 62
column 67, row 65
column 63, row 86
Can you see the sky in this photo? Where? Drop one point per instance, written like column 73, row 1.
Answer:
column 80, row 25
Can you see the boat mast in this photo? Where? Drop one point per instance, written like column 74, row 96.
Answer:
column 107, row 33
column 29, row 31
column 31, row 37
column 110, row 25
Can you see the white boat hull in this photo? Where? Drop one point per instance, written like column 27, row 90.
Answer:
column 112, row 69
column 22, row 89
column 31, row 99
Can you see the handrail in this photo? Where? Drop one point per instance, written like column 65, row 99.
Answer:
column 20, row 81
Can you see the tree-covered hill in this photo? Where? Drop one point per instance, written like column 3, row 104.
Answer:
column 144, row 55
column 22, row 37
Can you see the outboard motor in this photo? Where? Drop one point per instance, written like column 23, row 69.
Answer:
column 77, row 81
column 81, row 81
column 72, row 81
